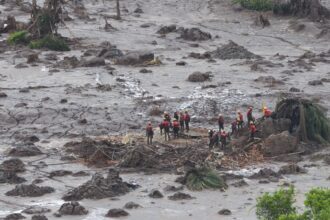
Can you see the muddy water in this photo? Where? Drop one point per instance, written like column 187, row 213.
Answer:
column 121, row 110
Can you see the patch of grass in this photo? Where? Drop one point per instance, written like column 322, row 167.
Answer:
column 272, row 206
column 258, row 5
column 50, row 42
column 18, row 37
column 318, row 201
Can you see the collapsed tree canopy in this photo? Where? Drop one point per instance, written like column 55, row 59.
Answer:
column 308, row 119
column 312, row 9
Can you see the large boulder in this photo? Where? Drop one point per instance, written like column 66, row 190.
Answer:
column 277, row 144
column 270, row 126
column 94, row 62
column 135, row 58
column 194, row 34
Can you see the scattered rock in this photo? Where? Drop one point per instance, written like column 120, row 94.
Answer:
column 82, row 121
column 21, row 66
column 145, row 71
column 99, row 187
column 277, row 144
column 14, row 216
column 194, row 34
column 59, row 173
column 261, row 21
column 240, row 183
column 68, row 158
column 109, row 51
column 94, row 62
column 265, row 173
column 167, row 29
column 3, row 95
column 51, row 56
column 292, row 169
column 104, row 87
column 315, row 83
column 14, row 165
column 29, row 190
column 199, row 77
column 293, row 89
column 10, row 177
column 199, row 55
column 224, row 212
column 24, row 90
column 181, row 63
column 32, row 58
column 269, row 80
column 132, row 205
column 27, row 139
column 136, row 58
column 72, row 208
column 80, row 173
column 20, row 105
column 32, row 210
column 180, row 196
column 24, row 150
column 62, row 101
column 173, row 188
column 155, row 194
column 39, row 217
column 37, row 181
column 68, row 63
column 138, row 11
column 263, row 182
column 233, row 51
column 115, row 213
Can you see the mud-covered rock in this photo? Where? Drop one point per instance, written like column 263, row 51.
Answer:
column 21, row 66
column 32, row 58
column 167, row 29
column 32, row 210
column 72, row 208
column 293, row 89
column 194, row 34
column 224, row 212
column 109, row 51
column 24, row 150
column 99, row 187
column 261, row 21
column 135, row 58
column 68, row 63
column 233, row 51
column 156, row 194
column 115, row 213
column 269, row 80
column 200, row 55
column 14, row 216
column 14, row 165
column 271, row 126
column 39, row 217
column 3, row 95
column 30, row 190
column 199, row 77
column 240, row 183
column 59, row 173
column 265, row 173
column 173, row 188
column 180, row 196
column 315, row 83
column 93, row 62
column 132, row 205
column 145, row 71
column 277, row 144
column 291, row 169
column 10, row 177
column 80, row 173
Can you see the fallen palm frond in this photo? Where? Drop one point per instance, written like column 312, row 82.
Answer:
column 204, row 178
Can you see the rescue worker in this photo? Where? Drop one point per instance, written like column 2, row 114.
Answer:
column 267, row 113
column 239, row 120
column 161, row 127
column 166, row 127
column 253, row 130
column 234, row 127
column 176, row 116
column 181, row 121
column 176, row 128
column 214, row 138
column 249, row 115
column 223, row 139
column 186, row 120
column 221, row 122
column 167, row 117
column 149, row 133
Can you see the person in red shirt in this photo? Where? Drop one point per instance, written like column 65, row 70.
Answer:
column 223, row 139
column 253, row 130
column 234, row 128
column 181, row 119
column 176, row 128
column 221, row 122
column 187, row 120
column 149, row 133
column 166, row 126
column 267, row 113
column 240, row 120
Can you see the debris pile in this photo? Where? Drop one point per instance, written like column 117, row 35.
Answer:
column 233, row 51
column 30, row 190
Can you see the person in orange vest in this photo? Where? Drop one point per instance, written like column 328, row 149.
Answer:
column 234, row 128
column 221, row 122
column 239, row 120
column 186, row 120
column 249, row 115
column 267, row 113
column 223, row 139
column 253, row 130
column 181, row 119
column 149, row 133
column 176, row 128
column 166, row 126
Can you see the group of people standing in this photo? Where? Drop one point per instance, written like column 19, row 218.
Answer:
column 180, row 122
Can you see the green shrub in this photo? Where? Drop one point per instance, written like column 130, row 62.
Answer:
column 50, row 42
column 304, row 216
column 272, row 206
column 258, row 5
column 318, row 201
column 18, row 37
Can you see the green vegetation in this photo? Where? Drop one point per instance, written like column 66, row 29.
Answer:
column 204, row 178
column 279, row 205
column 272, row 206
column 18, row 37
column 258, row 5
column 50, row 42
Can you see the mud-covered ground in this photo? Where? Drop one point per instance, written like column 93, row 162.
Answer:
column 58, row 104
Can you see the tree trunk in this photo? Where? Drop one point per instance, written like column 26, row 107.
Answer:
column 118, row 9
